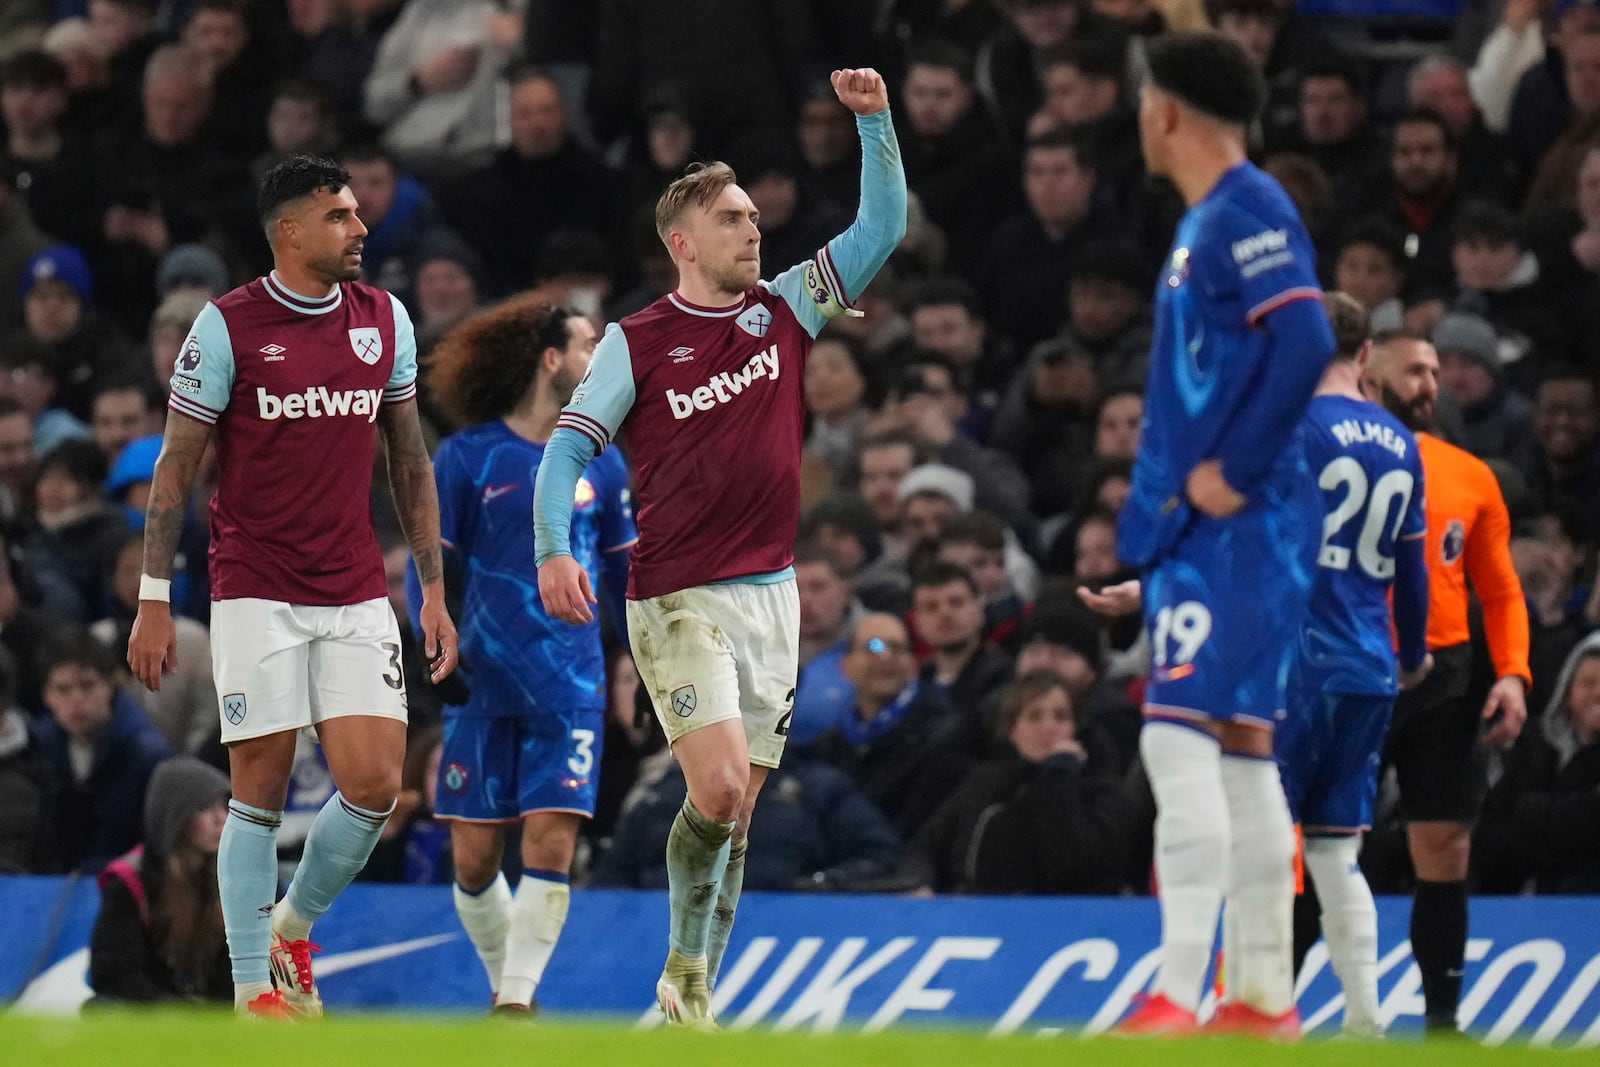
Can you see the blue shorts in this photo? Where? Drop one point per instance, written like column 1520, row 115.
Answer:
column 1329, row 748
column 500, row 769
column 1223, row 613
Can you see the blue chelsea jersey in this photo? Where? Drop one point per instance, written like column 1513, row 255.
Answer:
column 520, row 660
column 1220, row 377
column 1369, row 470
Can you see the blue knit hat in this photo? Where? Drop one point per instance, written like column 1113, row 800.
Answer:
column 61, row 263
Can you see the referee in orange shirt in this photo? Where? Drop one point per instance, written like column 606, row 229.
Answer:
column 1437, row 739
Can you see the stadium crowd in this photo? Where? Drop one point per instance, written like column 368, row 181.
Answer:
column 962, row 723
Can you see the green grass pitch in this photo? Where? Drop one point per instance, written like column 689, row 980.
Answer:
column 184, row 1038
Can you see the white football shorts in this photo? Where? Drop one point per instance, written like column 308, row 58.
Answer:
column 286, row 666
column 718, row 652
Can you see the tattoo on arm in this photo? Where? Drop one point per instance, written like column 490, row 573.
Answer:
column 416, row 498
column 181, row 451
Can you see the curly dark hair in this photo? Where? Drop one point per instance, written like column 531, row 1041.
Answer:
column 296, row 177
column 482, row 368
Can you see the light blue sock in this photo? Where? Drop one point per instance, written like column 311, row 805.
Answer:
column 728, row 891
column 247, row 880
column 697, row 856
column 338, row 846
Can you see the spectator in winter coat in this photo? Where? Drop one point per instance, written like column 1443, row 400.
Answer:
column 26, row 795
column 101, row 747
column 159, row 934
column 901, row 740
column 818, row 830
column 1541, row 822
column 1032, row 821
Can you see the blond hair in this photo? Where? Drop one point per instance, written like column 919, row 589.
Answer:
column 700, row 185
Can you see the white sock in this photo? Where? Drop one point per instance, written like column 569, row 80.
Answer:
column 1260, row 885
column 1227, row 981
column 537, row 915
column 288, row 923
column 1350, row 925
column 245, row 992
column 1185, row 771
column 487, row 916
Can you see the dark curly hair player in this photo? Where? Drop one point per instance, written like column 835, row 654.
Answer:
column 524, row 748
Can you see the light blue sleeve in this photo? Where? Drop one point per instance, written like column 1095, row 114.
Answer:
column 605, row 395
column 202, row 378
column 824, row 286
column 594, row 414
column 403, row 379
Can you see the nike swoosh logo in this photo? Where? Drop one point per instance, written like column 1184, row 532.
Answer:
column 63, row 987
column 346, row 961
column 496, row 490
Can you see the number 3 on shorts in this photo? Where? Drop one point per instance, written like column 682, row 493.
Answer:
column 1189, row 624
column 398, row 678
column 582, row 759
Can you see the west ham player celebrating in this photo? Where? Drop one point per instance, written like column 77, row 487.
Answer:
column 526, row 746
column 706, row 382
column 294, row 372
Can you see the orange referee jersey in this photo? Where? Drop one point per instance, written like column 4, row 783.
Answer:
column 1469, row 536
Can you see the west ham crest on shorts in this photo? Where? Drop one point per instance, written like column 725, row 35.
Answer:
column 233, row 707
column 683, row 701
column 367, row 343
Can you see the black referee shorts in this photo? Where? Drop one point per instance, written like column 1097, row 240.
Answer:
column 1434, row 743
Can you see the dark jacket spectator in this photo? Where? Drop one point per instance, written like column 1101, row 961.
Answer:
column 1421, row 194
column 27, row 791
column 1029, row 257
column 949, row 618
column 101, row 747
column 78, row 532
column 906, row 745
column 1035, row 821
column 159, row 933
column 399, row 214
column 49, row 169
column 1561, row 463
column 1473, row 368
column 1045, row 423
column 542, row 182
column 814, row 830
column 1541, row 821
column 955, row 159
column 78, row 344
column 165, row 183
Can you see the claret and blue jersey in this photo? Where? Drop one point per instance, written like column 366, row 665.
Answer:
column 711, row 403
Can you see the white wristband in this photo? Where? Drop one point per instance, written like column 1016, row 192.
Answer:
column 155, row 588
